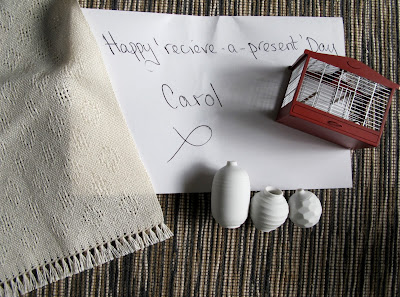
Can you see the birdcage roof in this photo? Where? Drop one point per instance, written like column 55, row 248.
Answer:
column 353, row 66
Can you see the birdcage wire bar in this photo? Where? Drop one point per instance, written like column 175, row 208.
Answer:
column 341, row 93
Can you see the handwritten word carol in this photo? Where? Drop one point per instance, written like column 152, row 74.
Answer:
column 189, row 101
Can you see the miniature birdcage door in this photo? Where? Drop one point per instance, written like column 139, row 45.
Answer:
column 338, row 99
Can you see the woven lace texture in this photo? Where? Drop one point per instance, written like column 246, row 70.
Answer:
column 74, row 192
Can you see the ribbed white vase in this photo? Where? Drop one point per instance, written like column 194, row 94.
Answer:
column 230, row 196
column 305, row 209
column 268, row 209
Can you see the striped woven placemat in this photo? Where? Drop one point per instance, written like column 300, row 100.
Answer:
column 353, row 251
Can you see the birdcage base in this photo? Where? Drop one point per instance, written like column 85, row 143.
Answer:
column 331, row 128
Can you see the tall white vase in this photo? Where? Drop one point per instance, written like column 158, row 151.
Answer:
column 230, row 196
column 268, row 209
column 305, row 209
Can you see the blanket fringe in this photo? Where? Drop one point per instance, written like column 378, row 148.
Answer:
column 62, row 268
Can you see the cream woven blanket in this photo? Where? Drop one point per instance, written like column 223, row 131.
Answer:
column 73, row 191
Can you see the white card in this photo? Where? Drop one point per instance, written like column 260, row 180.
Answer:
column 199, row 91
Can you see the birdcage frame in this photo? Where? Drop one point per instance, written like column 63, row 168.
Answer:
column 337, row 98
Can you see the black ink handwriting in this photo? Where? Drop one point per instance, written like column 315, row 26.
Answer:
column 273, row 46
column 142, row 51
column 148, row 52
column 186, row 139
column 191, row 48
column 189, row 101
column 320, row 46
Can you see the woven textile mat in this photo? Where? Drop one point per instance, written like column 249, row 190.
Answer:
column 353, row 251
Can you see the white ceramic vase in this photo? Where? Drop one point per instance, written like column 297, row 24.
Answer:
column 230, row 196
column 268, row 209
column 304, row 209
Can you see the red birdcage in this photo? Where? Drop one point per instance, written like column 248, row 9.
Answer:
column 338, row 99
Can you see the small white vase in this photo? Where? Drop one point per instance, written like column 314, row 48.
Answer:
column 230, row 196
column 304, row 209
column 268, row 209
